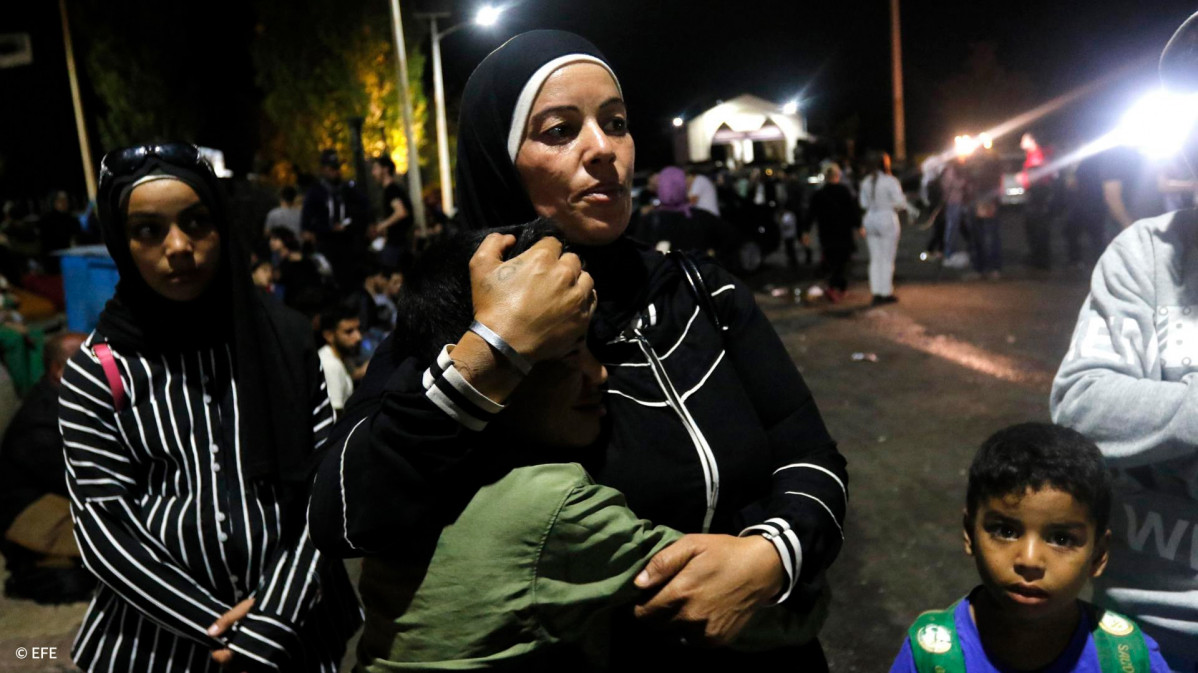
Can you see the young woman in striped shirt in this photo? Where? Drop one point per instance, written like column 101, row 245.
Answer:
column 189, row 418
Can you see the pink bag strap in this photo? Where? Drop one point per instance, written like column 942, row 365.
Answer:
column 104, row 354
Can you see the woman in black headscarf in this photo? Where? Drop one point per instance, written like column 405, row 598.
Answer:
column 186, row 465
column 712, row 431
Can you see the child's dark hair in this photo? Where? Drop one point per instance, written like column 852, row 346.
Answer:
column 1036, row 455
column 434, row 307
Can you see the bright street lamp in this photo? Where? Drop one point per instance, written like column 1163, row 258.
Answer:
column 488, row 15
column 791, row 107
column 678, row 122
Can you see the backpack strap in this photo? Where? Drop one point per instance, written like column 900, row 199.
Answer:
column 934, row 643
column 112, row 374
column 702, row 295
column 1119, row 641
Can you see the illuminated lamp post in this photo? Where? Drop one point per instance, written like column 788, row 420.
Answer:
column 487, row 16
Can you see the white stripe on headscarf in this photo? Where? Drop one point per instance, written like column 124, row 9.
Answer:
column 533, row 86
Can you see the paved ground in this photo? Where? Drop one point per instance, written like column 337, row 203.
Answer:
column 955, row 360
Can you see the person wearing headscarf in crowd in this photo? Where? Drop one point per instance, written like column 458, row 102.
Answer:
column 712, row 430
column 186, row 468
column 550, row 555
column 675, row 224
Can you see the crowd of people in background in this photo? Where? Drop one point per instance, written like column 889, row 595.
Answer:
column 328, row 250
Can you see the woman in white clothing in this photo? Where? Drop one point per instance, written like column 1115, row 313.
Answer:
column 881, row 198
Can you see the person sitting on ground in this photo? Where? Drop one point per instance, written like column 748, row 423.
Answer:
column 286, row 214
column 373, row 315
column 263, row 275
column 21, row 346
column 38, row 546
column 550, row 555
column 297, row 273
column 384, row 296
column 394, row 285
column 1035, row 522
column 342, row 334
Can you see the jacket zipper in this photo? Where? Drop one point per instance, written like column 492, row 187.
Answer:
column 711, row 472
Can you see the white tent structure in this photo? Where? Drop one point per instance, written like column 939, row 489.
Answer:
column 740, row 122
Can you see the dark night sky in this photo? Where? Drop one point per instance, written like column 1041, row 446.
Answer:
column 673, row 57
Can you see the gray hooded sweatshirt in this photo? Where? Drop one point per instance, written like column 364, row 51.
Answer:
column 1128, row 383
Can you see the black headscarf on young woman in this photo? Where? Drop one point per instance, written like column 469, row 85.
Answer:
column 495, row 106
column 272, row 346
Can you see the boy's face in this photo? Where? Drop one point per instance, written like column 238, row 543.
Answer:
column 560, row 404
column 1035, row 551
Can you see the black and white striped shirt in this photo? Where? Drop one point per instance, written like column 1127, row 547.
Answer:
column 168, row 520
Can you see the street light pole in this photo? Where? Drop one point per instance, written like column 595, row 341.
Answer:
column 487, row 16
column 415, row 190
column 442, row 126
column 89, row 175
column 896, row 65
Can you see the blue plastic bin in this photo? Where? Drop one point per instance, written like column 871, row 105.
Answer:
column 89, row 279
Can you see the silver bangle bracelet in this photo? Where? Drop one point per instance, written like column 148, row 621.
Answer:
column 495, row 341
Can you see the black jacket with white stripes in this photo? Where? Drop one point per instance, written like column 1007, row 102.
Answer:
column 167, row 519
column 709, row 431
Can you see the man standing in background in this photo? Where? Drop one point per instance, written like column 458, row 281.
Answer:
column 334, row 216
column 396, row 223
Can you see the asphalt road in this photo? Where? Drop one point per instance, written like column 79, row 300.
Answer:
column 955, row 361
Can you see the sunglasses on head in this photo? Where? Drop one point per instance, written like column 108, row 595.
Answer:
column 130, row 159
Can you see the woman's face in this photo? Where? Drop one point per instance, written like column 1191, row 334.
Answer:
column 577, row 155
column 173, row 239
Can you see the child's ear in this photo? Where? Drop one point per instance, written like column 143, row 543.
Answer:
column 1102, row 553
column 967, row 531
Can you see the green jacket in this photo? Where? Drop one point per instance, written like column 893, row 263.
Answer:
column 527, row 578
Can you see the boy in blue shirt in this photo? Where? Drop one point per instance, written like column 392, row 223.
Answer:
column 1035, row 522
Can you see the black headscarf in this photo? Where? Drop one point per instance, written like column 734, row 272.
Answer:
column 490, row 192
column 273, row 352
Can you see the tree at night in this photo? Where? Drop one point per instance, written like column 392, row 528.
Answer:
column 319, row 64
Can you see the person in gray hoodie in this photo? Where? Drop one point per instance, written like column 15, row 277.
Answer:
column 1128, row 383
